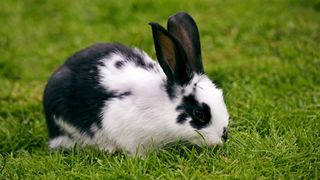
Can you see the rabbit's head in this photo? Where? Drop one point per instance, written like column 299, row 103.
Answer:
column 202, row 115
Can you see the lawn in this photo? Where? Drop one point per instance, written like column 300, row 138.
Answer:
column 264, row 54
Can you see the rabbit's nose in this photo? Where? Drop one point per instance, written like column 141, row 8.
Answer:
column 225, row 134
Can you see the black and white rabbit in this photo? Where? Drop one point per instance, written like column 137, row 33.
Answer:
column 117, row 98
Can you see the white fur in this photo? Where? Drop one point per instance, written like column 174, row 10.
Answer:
column 147, row 117
column 208, row 93
column 141, row 118
column 61, row 141
column 99, row 139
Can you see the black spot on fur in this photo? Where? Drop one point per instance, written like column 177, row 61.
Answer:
column 151, row 66
column 119, row 64
column 182, row 117
column 140, row 62
column 190, row 105
column 169, row 88
column 137, row 57
column 100, row 63
column 225, row 134
column 73, row 92
column 194, row 88
column 122, row 95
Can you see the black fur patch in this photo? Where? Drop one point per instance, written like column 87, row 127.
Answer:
column 137, row 58
column 73, row 93
column 169, row 88
column 118, row 64
column 225, row 134
column 122, row 95
column 187, row 108
column 182, row 117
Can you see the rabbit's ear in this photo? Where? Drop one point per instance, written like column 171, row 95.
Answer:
column 184, row 29
column 171, row 55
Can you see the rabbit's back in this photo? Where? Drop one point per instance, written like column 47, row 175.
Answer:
column 77, row 93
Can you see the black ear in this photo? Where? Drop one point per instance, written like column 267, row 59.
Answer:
column 171, row 55
column 184, row 29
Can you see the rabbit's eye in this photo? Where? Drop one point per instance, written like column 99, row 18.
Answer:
column 198, row 114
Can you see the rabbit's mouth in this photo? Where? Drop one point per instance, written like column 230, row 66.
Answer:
column 206, row 140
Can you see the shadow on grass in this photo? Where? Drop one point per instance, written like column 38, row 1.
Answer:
column 181, row 150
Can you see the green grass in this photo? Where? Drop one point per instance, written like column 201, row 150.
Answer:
column 264, row 54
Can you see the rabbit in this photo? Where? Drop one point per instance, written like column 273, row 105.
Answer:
column 117, row 98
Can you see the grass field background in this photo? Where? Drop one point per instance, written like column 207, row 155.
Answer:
column 264, row 54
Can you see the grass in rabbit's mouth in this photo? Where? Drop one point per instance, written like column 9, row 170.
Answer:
column 264, row 54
